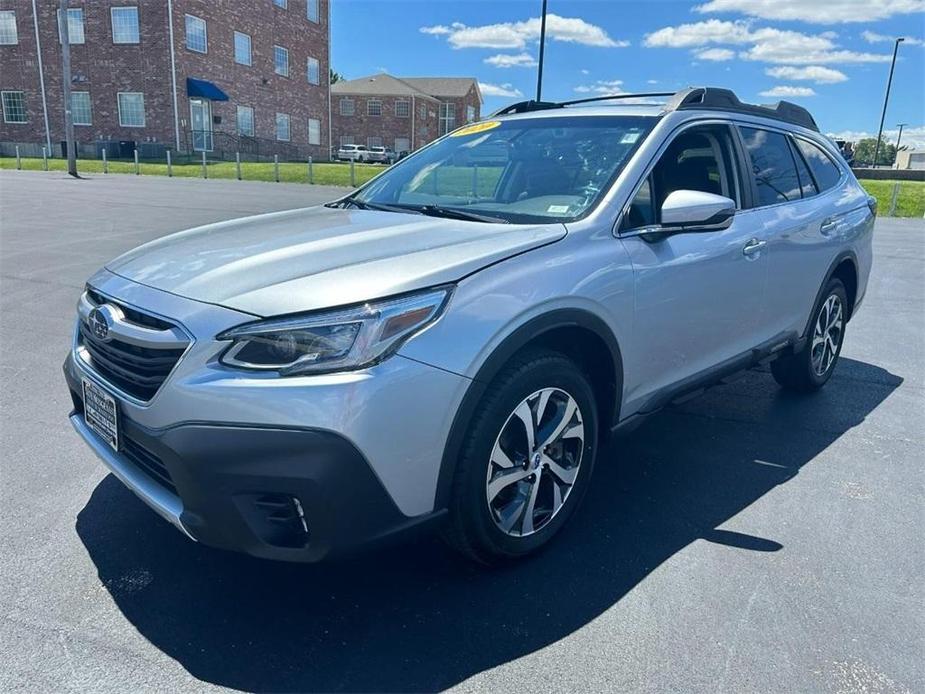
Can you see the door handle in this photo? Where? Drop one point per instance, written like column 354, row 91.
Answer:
column 753, row 246
column 828, row 226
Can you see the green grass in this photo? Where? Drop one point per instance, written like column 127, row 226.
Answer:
column 910, row 202
column 323, row 174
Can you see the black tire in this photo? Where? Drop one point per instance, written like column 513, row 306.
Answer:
column 472, row 527
column 798, row 371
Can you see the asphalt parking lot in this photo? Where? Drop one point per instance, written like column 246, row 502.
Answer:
column 745, row 541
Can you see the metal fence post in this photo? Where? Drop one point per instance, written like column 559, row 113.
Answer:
column 137, row 168
column 44, row 159
column 893, row 200
column 276, row 167
column 353, row 174
column 18, row 160
column 311, row 174
column 105, row 162
column 205, row 173
column 237, row 164
column 169, row 165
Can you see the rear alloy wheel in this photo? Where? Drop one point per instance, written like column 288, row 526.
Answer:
column 526, row 460
column 811, row 367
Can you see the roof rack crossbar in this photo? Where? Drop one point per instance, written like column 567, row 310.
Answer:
column 614, row 97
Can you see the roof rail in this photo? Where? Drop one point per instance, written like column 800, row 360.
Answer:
column 716, row 99
column 708, row 98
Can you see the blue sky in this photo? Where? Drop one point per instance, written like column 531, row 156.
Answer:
column 829, row 55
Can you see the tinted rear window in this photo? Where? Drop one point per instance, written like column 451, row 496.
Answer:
column 772, row 166
column 823, row 168
column 806, row 180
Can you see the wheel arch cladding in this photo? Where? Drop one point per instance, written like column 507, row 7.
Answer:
column 578, row 334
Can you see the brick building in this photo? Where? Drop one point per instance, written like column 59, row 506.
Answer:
column 402, row 113
column 189, row 75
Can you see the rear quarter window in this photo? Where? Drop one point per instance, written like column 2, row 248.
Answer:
column 825, row 171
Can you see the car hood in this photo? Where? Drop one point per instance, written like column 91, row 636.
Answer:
column 307, row 259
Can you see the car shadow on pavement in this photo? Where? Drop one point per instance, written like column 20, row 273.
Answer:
column 418, row 618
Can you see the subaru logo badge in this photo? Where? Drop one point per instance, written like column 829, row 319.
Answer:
column 99, row 324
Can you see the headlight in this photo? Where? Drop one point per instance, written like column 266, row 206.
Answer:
column 334, row 340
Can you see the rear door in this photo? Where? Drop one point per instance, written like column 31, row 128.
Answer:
column 699, row 295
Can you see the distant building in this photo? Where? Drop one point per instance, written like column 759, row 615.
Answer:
column 910, row 159
column 403, row 113
column 188, row 75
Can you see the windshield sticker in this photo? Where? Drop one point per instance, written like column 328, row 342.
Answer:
column 476, row 128
column 629, row 138
column 557, row 209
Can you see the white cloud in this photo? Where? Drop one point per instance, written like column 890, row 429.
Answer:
column 812, row 73
column 651, row 81
column 506, row 60
column 786, row 91
column 872, row 37
column 585, row 72
column 914, row 137
column 601, row 87
column 518, row 34
column 715, row 54
column 816, row 11
column 505, row 90
column 765, row 44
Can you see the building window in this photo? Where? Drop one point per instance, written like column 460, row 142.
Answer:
column 196, row 39
column 470, row 114
column 8, row 34
column 80, row 108
column 346, row 140
column 245, row 121
column 14, row 107
column 75, row 26
column 374, row 107
column 447, row 117
column 281, row 61
column 281, row 3
column 282, row 127
column 423, row 110
column 313, row 71
column 131, row 109
column 402, row 109
column 402, row 144
column 242, row 48
column 314, row 131
column 125, row 25
column 374, row 142
column 346, row 107
column 311, row 10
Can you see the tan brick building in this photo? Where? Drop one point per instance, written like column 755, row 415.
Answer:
column 403, row 113
column 189, row 75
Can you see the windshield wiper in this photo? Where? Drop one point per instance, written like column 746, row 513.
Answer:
column 359, row 204
column 456, row 213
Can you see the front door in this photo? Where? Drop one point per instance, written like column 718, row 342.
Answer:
column 201, row 120
column 699, row 295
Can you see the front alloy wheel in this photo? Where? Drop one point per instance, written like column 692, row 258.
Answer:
column 535, row 462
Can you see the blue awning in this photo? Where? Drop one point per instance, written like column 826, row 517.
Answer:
column 204, row 90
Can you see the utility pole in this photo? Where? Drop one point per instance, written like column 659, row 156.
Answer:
column 900, row 136
column 886, row 99
column 539, row 76
column 64, row 32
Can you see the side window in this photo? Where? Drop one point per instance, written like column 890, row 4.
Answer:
column 698, row 159
column 824, row 169
column 772, row 166
column 807, row 185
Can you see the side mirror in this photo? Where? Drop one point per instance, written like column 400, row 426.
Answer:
column 695, row 210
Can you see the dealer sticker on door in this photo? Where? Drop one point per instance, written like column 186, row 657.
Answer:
column 101, row 413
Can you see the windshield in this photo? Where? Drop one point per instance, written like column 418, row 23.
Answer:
column 519, row 171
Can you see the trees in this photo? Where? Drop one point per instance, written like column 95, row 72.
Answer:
column 864, row 152
column 335, row 76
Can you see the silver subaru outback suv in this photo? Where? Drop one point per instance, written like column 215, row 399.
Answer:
column 450, row 344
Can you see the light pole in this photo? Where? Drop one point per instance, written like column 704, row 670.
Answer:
column 899, row 137
column 886, row 99
column 64, row 32
column 539, row 76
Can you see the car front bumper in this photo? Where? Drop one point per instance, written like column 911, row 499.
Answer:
column 287, row 468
